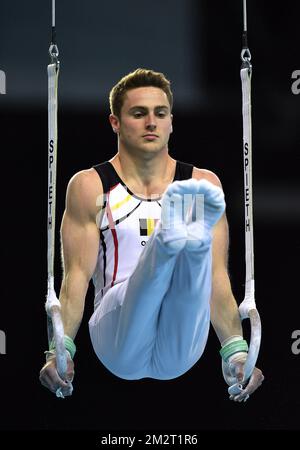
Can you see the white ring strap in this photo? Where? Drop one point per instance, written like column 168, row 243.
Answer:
column 54, row 322
column 247, row 308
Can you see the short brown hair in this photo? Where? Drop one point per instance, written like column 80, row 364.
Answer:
column 136, row 79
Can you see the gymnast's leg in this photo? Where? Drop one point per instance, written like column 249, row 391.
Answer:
column 184, row 318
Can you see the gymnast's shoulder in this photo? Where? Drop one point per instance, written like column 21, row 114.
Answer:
column 85, row 190
column 208, row 175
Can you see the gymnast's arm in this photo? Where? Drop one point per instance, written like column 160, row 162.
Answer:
column 80, row 243
column 225, row 316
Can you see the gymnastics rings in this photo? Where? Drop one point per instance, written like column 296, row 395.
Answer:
column 59, row 393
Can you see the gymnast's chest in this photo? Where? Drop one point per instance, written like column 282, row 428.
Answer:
column 130, row 219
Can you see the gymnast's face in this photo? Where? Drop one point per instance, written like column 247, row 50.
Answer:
column 145, row 121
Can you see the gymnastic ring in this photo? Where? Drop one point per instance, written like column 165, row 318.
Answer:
column 59, row 393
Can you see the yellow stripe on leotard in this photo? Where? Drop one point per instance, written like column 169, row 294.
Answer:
column 150, row 226
column 121, row 203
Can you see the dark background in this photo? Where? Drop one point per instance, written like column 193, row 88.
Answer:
column 197, row 45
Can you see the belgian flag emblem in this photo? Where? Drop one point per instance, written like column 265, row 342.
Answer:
column 147, row 226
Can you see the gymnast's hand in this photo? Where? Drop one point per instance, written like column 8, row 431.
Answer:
column 51, row 380
column 236, row 369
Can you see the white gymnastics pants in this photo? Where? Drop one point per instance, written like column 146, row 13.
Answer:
column 157, row 321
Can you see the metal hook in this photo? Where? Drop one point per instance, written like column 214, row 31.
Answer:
column 53, row 52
